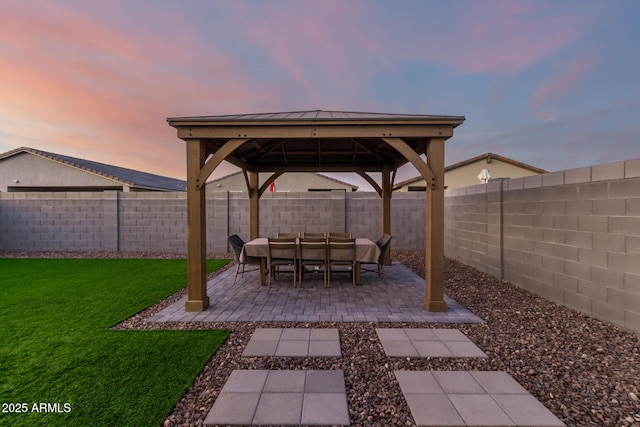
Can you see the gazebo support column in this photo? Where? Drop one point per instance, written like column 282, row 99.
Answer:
column 254, row 206
column 197, row 299
column 434, row 233
column 386, row 208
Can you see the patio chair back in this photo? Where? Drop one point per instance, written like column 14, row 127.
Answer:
column 237, row 244
column 342, row 252
column 321, row 235
column 284, row 235
column 313, row 252
column 282, row 251
column 383, row 244
column 340, row 235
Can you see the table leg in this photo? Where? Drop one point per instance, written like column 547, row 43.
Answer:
column 357, row 273
column 263, row 268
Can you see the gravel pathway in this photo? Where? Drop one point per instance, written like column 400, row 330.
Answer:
column 585, row 371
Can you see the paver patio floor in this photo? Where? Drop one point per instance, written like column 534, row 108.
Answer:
column 398, row 300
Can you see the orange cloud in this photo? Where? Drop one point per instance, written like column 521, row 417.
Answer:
column 80, row 83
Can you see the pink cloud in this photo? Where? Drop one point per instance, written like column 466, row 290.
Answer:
column 80, row 82
column 561, row 82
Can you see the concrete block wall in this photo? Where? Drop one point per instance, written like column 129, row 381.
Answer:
column 408, row 212
column 58, row 221
column 153, row 221
column 157, row 222
column 571, row 236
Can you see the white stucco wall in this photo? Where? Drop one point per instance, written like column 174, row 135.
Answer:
column 35, row 171
column 287, row 182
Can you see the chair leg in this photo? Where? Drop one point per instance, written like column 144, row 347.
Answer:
column 328, row 282
column 384, row 277
column 295, row 273
column 353, row 274
column 236, row 275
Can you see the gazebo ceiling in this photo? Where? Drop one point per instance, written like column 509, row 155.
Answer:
column 316, row 140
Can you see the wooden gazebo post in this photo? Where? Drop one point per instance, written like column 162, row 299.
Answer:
column 386, row 207
column 198, row 299
column 434, row 233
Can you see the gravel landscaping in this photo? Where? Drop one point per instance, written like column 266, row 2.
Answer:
column 585, row 371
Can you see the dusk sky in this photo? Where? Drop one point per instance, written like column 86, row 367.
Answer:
column 554, row 84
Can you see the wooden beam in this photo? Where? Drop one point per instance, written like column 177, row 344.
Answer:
column 216, row 159
column 246, row 181
column 315, row 168
column 269, row 180
column 315, row 131
column 368, row 150
column 434, row 233
column 197, row 299
column 254, row 206
column 370, row 181
column 386, row 209
column 414, row 159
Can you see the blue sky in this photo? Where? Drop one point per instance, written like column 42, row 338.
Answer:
column 549, row 83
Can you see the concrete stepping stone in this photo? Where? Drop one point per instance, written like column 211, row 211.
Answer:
column 471, row 398
column 281, row 397
column 416, row 342
column 294, row 342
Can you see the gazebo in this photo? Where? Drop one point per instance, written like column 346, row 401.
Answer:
column 316, row 141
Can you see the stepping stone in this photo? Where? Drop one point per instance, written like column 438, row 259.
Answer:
column 471, row 398
column 294, row 342
column 283, row 397
column 415, row 342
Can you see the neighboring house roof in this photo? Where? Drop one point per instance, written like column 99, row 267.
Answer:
column 487, row 156
column 354, row 187
column 130, row 177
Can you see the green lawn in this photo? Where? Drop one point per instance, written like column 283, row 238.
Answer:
column 56, row 345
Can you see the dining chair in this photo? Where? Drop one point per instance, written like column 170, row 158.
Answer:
column 313, row 252
column 312, row 235
column 383, row 245
column 238, row 244
column 282, row 252
column 340, row 235
column 341, row 252
column 284, row 235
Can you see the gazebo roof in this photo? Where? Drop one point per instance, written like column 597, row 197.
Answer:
column 316, row 140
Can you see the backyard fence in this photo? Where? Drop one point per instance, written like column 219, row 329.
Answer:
column 571, row 236
column 157, row 222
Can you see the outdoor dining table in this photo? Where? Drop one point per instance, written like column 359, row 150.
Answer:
column 366, row 251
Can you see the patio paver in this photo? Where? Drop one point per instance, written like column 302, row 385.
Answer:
column 471, row 398
column 294, row 342
column 414, row 342
column 281, row 397
column 398, row 300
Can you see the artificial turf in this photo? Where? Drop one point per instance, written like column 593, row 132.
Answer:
column 62, row 365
